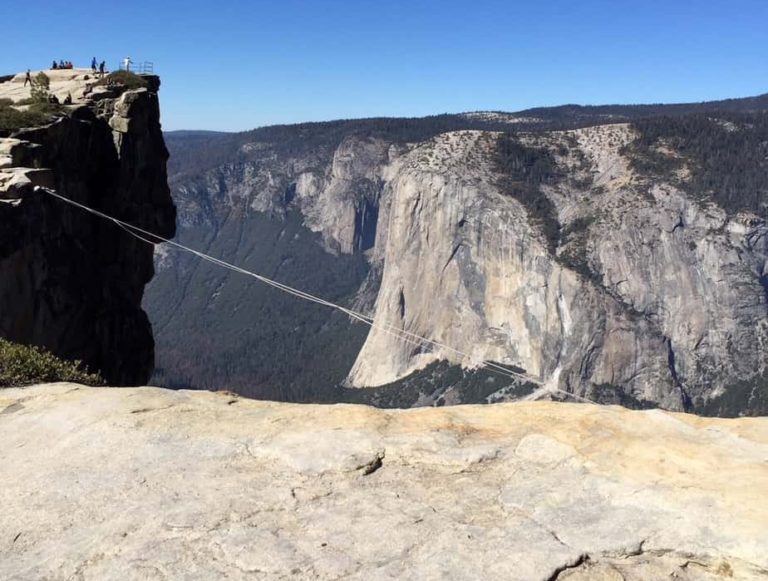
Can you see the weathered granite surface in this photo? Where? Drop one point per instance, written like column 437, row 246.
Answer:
column 153, row 484
column 69, row 281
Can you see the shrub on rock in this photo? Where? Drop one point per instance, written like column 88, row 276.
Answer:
column 27, row 365
column 127, row 79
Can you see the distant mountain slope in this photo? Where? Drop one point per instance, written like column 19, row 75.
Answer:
column 622, row 262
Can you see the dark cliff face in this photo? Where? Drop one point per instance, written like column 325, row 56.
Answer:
column 73, row 282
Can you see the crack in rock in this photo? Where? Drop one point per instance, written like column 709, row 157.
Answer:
column 372, row 466
column 574, row 564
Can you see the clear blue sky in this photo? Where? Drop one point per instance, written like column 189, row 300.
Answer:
column 235, row 65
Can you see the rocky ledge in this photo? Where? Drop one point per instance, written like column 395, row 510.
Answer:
column 146, row 483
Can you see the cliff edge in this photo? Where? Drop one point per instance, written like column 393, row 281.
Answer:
column 70, row 282
column 147, row 483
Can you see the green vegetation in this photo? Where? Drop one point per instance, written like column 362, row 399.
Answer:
column 579, row 225
column 194, row 152
column 26, row 365
column 39, row 110
column 258, row 341
column 609, row 394
column 726, row 154
column 565, row 116
column 127, row 79
column 524, row 170
column 576, row 235
column 436, row 383
column 11, row 119
column 214, row 329
column 748, row 397
column 40, row 85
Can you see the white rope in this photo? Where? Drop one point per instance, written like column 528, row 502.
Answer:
column 401, row 334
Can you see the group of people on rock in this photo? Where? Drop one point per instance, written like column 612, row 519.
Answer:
column 96, row 67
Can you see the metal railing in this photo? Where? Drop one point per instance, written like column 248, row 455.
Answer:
column 142, row 68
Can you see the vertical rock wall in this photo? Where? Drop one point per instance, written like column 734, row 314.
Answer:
column 670, row 308
column 70, row 281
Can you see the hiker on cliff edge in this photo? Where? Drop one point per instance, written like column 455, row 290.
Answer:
column 102, row 64
column 127, row 63
column 93, row 64
column 28, row 78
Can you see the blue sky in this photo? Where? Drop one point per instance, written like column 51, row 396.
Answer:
column 235, row 65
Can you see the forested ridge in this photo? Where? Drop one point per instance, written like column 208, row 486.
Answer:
column 725, row 153
column 197, row 151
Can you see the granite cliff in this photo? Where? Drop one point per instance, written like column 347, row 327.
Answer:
column 648, row 292
column 69, row 281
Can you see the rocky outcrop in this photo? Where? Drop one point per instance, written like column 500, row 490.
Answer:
column 649, row 294
column 69, row 281
column 154, row 484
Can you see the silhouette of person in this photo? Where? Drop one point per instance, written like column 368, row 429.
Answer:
column 28, row 78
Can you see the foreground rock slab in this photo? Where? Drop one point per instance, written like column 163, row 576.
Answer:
column 146, row 483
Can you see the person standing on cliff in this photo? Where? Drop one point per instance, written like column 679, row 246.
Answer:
column 101, row 68
column 93, row 64
column 127, row 63
column 28, row 78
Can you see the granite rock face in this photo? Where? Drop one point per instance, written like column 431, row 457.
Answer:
column 154, row 484
column 649, row 293
column 72, row 282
